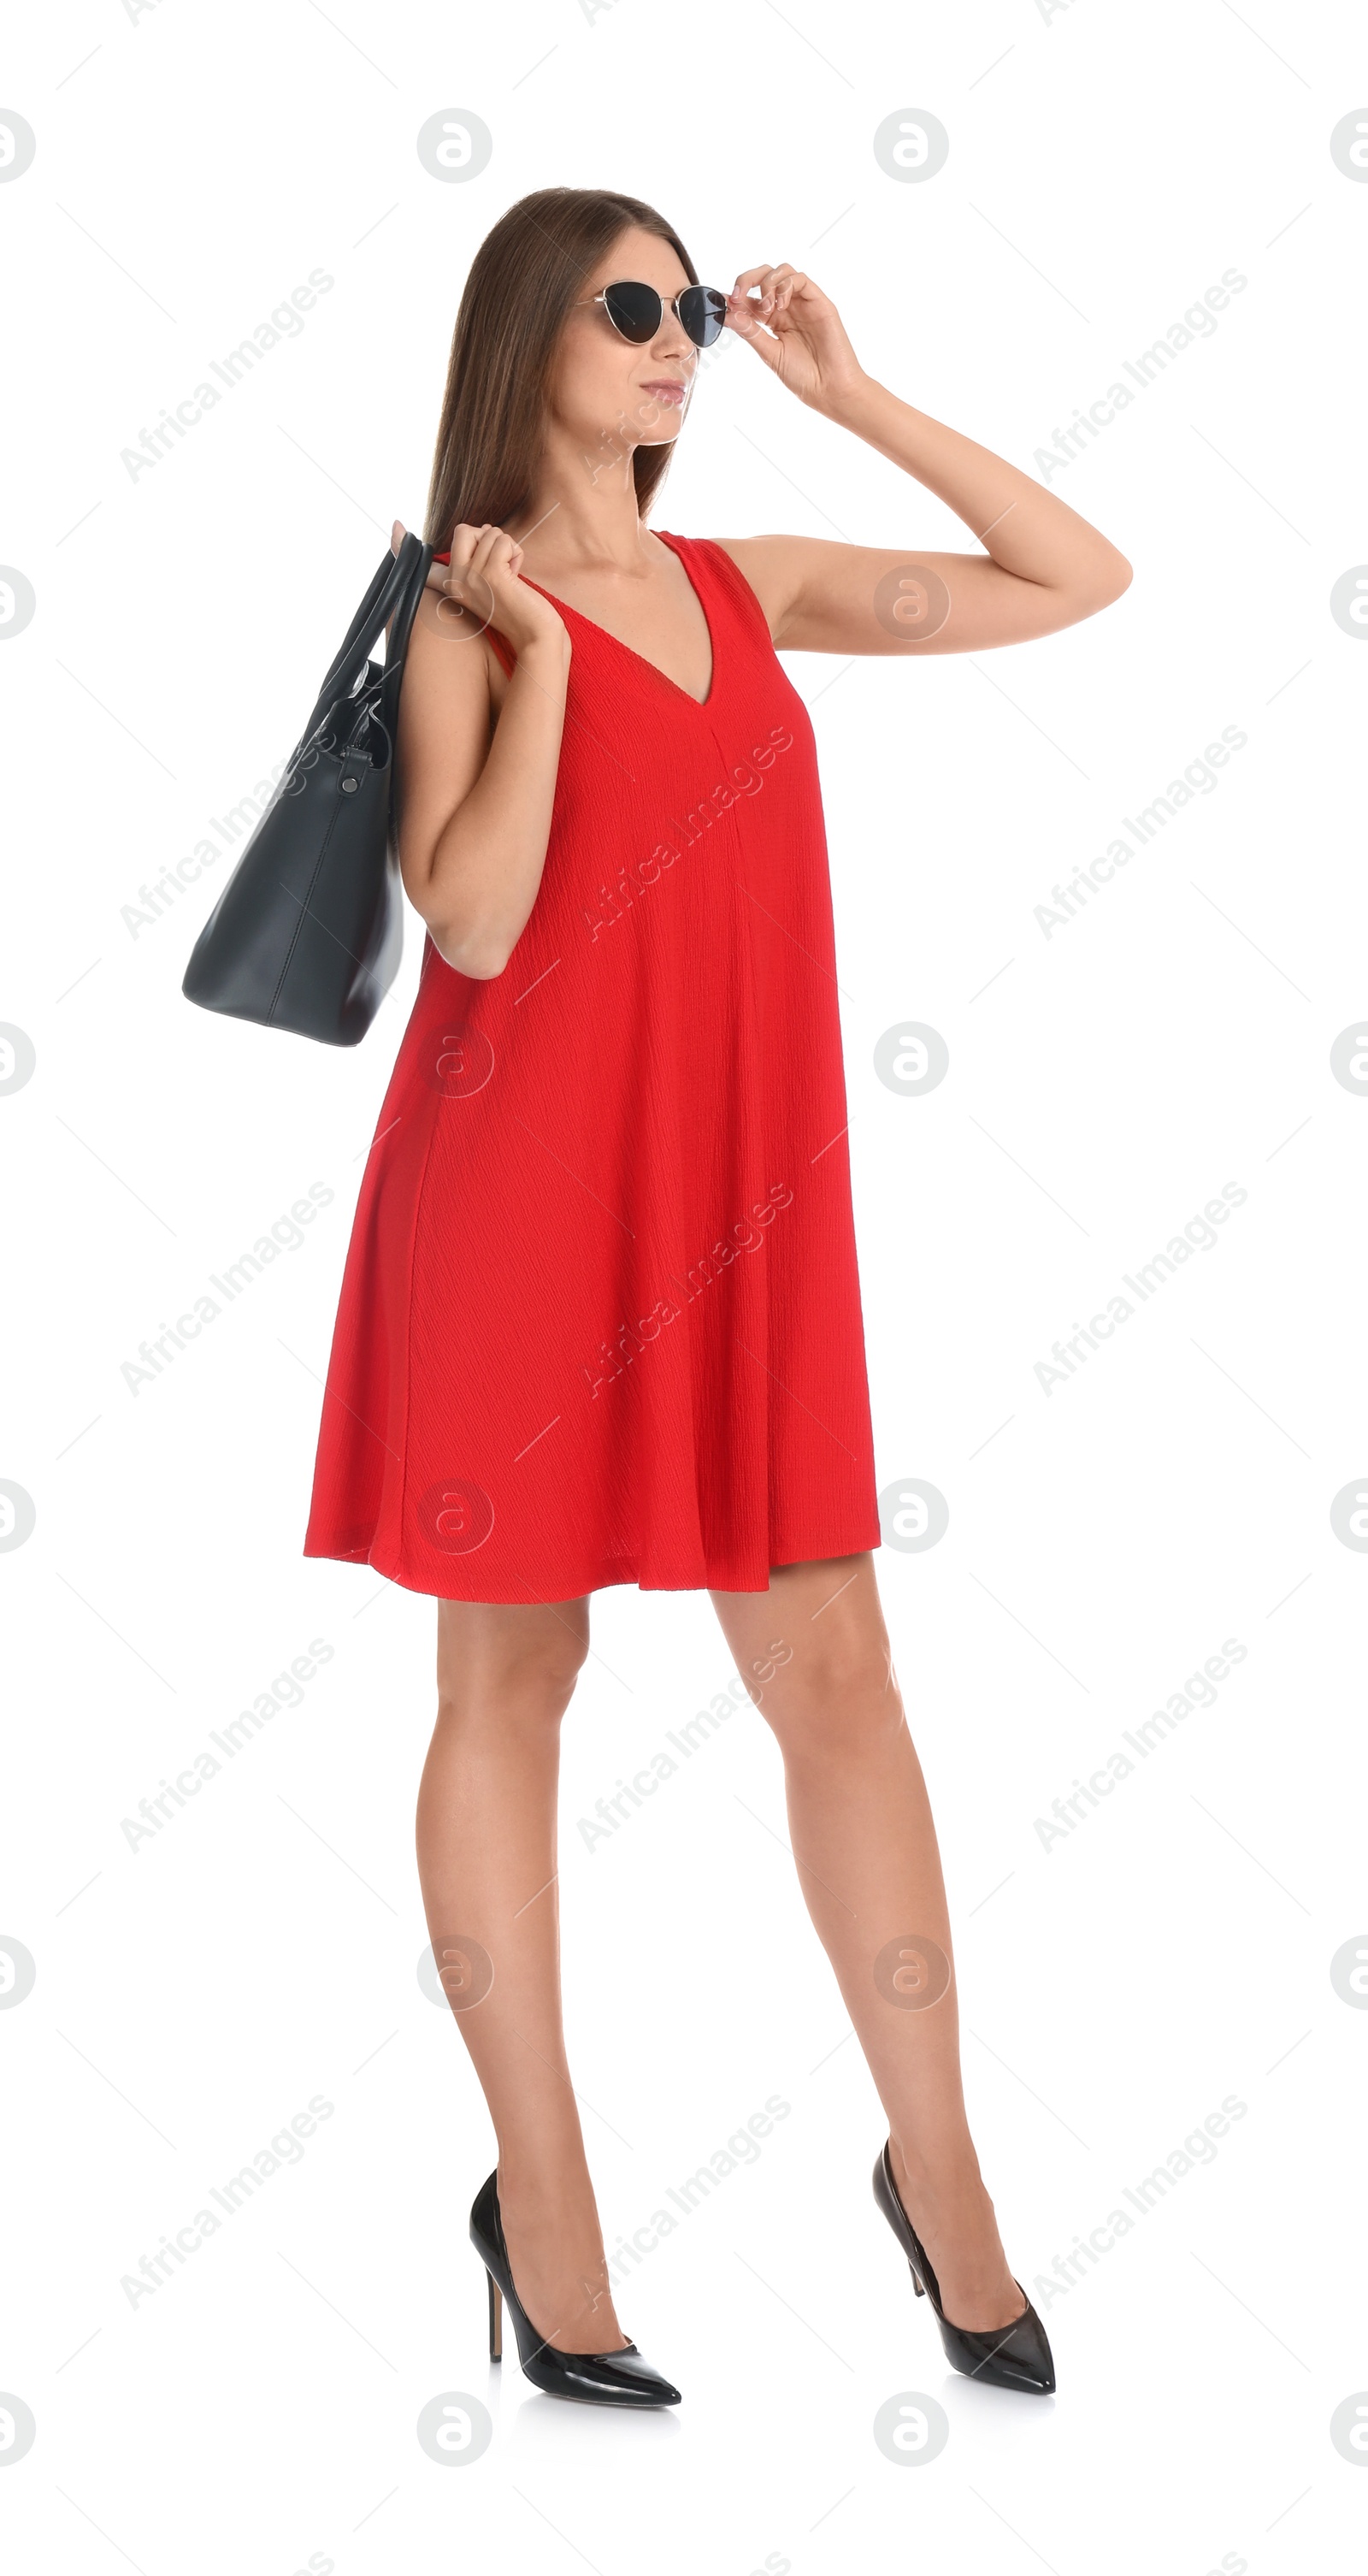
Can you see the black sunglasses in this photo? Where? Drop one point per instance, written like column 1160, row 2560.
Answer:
column 637, row 311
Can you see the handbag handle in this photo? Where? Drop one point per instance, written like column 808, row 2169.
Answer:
column 401, row 627
column 395, row 592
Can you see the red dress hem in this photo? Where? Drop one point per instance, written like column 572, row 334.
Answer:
column 796, row 1553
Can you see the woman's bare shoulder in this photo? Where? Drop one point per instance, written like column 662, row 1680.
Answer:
column 769, row 565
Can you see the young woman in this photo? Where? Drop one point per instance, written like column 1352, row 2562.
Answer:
column 600, row 1320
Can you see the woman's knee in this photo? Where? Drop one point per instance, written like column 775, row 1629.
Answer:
column 837, row 1692
column 525, row 1664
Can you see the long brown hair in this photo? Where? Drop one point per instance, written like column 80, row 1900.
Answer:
column 525, row 276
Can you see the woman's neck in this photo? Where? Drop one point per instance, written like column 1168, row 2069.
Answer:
column 581, row 514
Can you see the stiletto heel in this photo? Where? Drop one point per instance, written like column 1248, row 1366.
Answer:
column 1012, row 2356
column 623, row 2378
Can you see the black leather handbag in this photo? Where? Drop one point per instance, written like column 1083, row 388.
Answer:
column 308, row 932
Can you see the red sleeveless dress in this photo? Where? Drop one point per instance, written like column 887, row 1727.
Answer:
column 600, row 1320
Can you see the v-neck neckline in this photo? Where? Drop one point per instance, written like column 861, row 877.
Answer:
column 630, row 650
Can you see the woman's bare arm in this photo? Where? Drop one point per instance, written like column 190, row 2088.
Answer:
column 475, row 789
column 1043, row 566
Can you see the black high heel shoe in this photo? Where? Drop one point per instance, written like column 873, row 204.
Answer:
column 1012, row 2356
column 622, row 2378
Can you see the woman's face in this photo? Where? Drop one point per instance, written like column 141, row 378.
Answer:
column 612, row 394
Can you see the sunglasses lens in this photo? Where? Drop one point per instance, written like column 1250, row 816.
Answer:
column 634, row 310
column 703, row 311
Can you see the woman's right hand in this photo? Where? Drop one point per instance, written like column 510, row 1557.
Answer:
column 480, row 587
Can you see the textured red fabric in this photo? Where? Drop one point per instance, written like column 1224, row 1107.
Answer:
column 600, row 1321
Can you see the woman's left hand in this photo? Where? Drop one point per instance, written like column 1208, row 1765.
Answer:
column 798, row 332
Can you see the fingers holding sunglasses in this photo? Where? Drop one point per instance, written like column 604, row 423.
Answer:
column 760, row 309
column 796, row 329
column 764, row 293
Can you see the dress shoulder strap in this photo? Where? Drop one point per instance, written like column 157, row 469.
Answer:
column 712, row 561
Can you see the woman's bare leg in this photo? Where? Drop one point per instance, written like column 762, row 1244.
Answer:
column 814, row 1652
column 487, row 1864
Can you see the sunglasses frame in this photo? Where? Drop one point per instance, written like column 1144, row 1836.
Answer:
column 672, row 303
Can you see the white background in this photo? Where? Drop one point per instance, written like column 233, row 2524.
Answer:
column 1106, row 166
